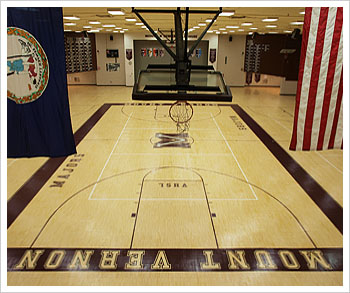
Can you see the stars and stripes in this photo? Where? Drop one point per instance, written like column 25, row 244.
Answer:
column 318, row 119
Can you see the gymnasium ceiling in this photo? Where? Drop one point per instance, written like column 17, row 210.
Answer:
column 164, row 22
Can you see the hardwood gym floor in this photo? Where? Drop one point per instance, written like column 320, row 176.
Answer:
column 228, row 204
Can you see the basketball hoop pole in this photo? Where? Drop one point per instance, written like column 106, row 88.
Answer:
column 181, row 58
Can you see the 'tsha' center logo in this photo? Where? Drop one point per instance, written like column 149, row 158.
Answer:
column 27, row 66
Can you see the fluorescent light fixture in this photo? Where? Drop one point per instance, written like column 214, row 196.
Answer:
column 250, row 33
column 130, row 19
column 196, row 27
column 297, row 23
column 232, row 26
column 224, row 33
column 232, row 31
column 273, row 32
column 288, row 32
column 71, row 17
column 227, row 13
column 246, row 24
column 191, row 30
column 108, row 25
column 125, row 29
column 253, row 28
column 302, row 12
column 78, row 31
column 210, row 32
column 115, row 12
column 70, row 24
column 94, row 22
column 122, row 32
column 202, row 24
column 218, row 33
column 116, row 31
column 144, row 26
column 67, row 30
column 109, row 30
column 222, row 29
column 87, row 26
column 209, row 20
column 139, row 23
column 93, row 31
column 270, row 25
column 241, row 30
column 272, row 19
column 117, row 28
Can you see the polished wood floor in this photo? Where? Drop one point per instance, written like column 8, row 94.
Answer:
column 139, row 206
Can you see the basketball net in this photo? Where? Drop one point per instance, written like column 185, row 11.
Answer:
column 181, row 113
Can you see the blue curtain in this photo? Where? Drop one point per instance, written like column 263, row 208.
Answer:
column 38, row 116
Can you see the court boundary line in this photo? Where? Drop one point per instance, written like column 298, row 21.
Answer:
column 229, row 147
column 18, row 202
column 325, row 202
column 109, row 157
column 24, row 195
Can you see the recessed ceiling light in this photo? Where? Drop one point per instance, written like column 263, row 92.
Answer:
column 253, row 28
column 108, row 25
column 246, row 24
column 67, row 30
column 139, row 23
column 130, row 19
column 196, row 27
column 271, row 25
column 224, row 33
column 222, row 29
column 125, row 29
column 115, row 12
column 71, row 17
column 117, row 28
column 93, row 31
column 78, row 31
column 87, row 26
column 241, row 30
column 201, row 24
column 94, row 22
column 210, row 32
column 122, row 32
column 288, row 32
column 218, row 33
column 109, row 30
column 269, row 19
column 302, row 12
column 232, row 31
column 70, row 24
column 116, row 31
column 297, row 23
column 208, row 20
column 227, row 13
column 143, row 26
column 232, row 26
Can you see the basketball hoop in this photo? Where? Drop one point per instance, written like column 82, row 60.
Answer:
column 181, row 113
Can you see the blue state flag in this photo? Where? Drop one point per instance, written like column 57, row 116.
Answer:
column 38, row 116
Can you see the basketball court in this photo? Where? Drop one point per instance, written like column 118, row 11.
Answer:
column 141, row 198
column 183, row 179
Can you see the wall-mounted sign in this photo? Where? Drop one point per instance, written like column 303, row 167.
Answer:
column 112, row 53
column 150, row 52
column 212, row 56
column 128, row 54
column 143, row 52
column 112, row 67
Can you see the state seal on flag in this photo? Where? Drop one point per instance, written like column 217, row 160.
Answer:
column 27, row 66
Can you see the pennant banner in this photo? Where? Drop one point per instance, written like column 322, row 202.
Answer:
column 38, row 117
column 318, row 118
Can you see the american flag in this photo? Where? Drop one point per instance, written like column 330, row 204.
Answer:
column 318, row 117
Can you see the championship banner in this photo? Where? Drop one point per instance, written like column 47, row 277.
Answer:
column 38, row 116
column 318, row 118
